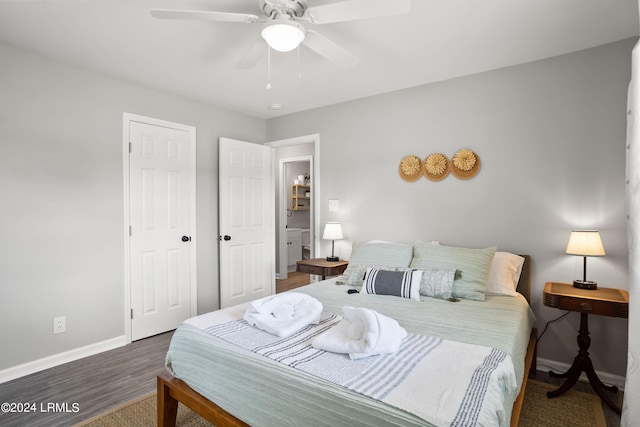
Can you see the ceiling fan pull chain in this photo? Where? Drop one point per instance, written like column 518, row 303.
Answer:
column 268, row 67
column 299, row 72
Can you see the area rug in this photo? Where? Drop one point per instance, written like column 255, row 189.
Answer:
column 572, row 409
column 142, row 412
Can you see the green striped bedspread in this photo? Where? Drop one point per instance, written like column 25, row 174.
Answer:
column 263, row 392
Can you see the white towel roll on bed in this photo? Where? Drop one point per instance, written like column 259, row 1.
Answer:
column 362, row 333
column 283, row 314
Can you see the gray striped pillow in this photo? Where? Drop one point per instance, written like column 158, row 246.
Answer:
column 404, row 284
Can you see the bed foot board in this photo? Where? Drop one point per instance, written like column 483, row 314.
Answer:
column 167, row 405
column 529, row 371
column 172, row 391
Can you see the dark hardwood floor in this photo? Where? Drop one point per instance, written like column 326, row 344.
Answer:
column 98, row 383
column 293, row 280
column 95, row 384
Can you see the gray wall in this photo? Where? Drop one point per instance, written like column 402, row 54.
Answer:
column 551, row 138
column 62, row 199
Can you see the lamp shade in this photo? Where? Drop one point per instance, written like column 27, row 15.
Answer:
column 585, row 243
column 283, row 35
column 332, row 231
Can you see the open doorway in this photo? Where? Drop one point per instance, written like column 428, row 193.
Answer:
column 296, row 174
column 300, row 152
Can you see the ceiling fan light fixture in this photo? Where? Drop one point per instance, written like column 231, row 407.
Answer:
column 283, row 35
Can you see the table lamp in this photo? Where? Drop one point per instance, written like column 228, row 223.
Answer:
column 333, row 232
column 585, row 243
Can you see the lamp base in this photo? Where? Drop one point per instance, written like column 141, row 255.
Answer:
column 333, row 258
column 585, row 284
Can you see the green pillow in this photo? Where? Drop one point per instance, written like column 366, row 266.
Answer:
column 384, row 255
column 473, row 266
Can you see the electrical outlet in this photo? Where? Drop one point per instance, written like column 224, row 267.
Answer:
column 59, row 324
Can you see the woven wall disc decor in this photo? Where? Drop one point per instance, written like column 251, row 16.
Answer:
column 410, row 168
column 436, row 167
column 465, row 164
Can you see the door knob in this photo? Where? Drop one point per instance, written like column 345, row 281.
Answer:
column 186, row 238
column 226, row 237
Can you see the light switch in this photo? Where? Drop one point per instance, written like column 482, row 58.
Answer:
column 334, row 205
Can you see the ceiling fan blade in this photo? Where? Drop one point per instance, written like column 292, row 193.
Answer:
column 200, row 15
column 253, row 55
column 351, row 10
column 328, row 49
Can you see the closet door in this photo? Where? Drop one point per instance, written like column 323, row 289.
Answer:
column 161, row 213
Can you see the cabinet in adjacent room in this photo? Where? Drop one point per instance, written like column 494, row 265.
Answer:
column 294, row 247
column 300, row 197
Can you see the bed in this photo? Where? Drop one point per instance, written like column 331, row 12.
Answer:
column 233, row 386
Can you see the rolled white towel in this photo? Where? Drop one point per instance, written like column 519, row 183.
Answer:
column 362, row 333
column 283, row 314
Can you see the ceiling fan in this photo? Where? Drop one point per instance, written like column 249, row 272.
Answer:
column 282, row 31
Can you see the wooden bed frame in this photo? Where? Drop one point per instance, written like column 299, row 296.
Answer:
column 172, row 391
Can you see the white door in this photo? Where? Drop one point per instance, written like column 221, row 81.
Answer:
column 161, row 218
column 247, row 225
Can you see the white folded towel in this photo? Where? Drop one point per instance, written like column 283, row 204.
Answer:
column 362, row 333
column 283, row 314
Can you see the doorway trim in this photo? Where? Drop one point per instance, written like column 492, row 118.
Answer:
column 315, row 190
column 128, row 118
column 284, row 199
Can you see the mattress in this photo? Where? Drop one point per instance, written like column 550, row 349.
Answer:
column 263, row 392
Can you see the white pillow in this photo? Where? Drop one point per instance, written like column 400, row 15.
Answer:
column 504, row 274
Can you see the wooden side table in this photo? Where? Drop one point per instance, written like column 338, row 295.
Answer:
column 603, row 302
column 321, row 267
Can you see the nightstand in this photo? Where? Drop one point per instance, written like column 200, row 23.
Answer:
column 321, row 267
column 603, row 302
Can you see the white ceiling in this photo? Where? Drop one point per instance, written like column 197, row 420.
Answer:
column 436, row 40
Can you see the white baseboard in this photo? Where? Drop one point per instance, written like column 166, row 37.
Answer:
column 546, row 365
column 60, row 358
